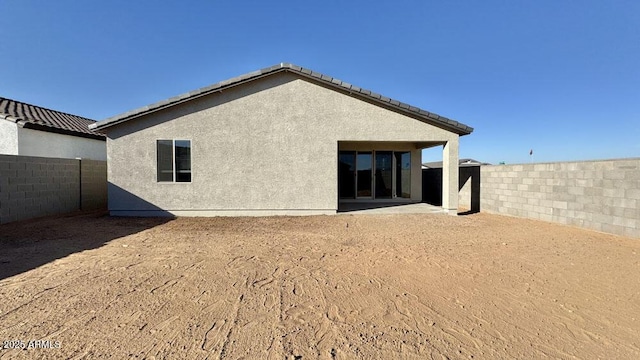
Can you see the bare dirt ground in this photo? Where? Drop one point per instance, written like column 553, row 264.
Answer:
column 348, row 286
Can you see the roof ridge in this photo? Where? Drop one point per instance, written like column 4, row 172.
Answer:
column 368, row 95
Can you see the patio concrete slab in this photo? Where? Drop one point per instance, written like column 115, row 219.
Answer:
column 387, row 208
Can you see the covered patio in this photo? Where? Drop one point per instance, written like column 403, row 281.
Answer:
column 378, row 175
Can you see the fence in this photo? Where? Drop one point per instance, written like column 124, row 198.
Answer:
column 599, row 195
column 37, row 186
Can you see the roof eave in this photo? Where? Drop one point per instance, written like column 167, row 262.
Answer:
column 363, row 94
column 449, row 125
column 9, row 118
column 32, row 126
column 179, row 99
column 411, row 111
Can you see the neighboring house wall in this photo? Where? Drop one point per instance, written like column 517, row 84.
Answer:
column 8, row 137
column 599, row 195
column 36, row 186
column 48, row 144
column 268, row 146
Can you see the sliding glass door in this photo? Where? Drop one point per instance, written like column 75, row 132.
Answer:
column 374, row 174
column 384, row 174
column 347, row 174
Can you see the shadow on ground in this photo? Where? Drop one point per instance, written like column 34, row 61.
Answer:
column 357, row 206
column 26, row 245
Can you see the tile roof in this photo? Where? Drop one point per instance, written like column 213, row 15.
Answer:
column 39, row 118
column 422, row 115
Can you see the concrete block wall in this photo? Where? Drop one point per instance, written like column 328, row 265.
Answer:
column 36, row 186
column 599, row 195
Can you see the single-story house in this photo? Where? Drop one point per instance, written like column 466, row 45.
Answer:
column 32, row 130
column 320, row 142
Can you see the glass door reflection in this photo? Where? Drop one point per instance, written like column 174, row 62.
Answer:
column 384, row 174
column 347, row 174
column 403, row 174
column 364, row 178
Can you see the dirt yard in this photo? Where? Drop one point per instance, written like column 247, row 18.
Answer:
column 349, row 286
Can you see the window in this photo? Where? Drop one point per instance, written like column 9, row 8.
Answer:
column 174, row 160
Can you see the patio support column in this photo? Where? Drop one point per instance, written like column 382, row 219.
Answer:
column 450, row 177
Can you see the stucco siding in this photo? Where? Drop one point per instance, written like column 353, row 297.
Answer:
column 42, row 143
column 267, row 145
column 8, row 137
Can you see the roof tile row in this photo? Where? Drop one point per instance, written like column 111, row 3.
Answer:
column 37, row 117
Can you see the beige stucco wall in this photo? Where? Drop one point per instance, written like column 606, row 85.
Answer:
column 8, row 137
column 42, row 143
column 269, row 146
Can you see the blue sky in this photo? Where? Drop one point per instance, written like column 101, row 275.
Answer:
column 561, row 77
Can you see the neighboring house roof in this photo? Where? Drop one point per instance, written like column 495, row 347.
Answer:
column 422, row 115
column 38, row 118
column 461, row 162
